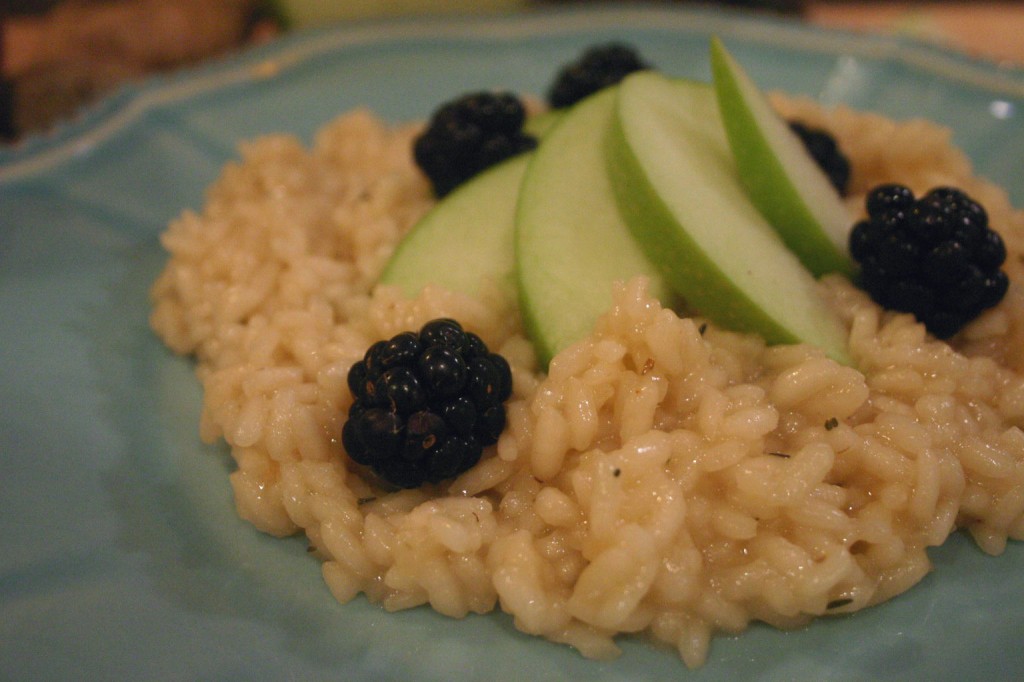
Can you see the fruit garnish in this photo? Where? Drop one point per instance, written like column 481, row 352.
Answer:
column 677, row 188
column 780, row 177
column 935, row 256
column 826, row 152
column 471, row 227
column 571, row 244
column 597, row 68
column 469, row 134
column 426, row 404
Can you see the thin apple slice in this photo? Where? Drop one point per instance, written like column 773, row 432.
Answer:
column 540, row 123
column 781, row 178
column 465, row 240
column 676, row 184
column 571, row 244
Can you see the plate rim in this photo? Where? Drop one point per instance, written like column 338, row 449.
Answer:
column 259, row 58
column 126, row 106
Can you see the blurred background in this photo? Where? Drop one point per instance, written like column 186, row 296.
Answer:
column 56, row 56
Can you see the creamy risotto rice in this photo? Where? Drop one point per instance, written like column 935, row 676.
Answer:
column 664, row 476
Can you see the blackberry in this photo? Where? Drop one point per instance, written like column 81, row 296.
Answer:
column 469, row 134
column 934, row 256
column 426, row 404
column 597, row 68
column 823, row 149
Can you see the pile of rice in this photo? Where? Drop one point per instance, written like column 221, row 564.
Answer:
column 665, row 476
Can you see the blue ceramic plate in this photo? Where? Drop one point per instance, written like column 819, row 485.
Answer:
column 122, row 557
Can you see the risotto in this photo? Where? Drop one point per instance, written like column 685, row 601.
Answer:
column 663, row 476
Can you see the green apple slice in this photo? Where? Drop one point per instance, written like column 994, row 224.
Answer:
column 466, row 239
column 540, row 123
column 781, row 178
column 571, row 244
column 677, row 187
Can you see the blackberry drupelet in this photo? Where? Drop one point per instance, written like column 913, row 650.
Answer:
column 598, row 67
column 469, row 134
column 823, row 149
column 935, row 256
column 426, row 404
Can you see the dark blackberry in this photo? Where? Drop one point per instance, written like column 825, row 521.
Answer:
column 460, row 414
column 891, row 200
column 443, row 370
column 372, row 435
column 445, row 332
column 401, row 349
column 469, row 134
column 823, row 149
column 597, row 68
column 426, row 404
column 935, row 256
column 402, row 389
column 483, row 382
column 474, row 346
column 423, row 430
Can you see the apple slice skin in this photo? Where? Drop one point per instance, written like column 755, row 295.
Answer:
column 540, row 123
column 675, row 183
column 465, row 239
column 781, row 178
column 571, row 243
